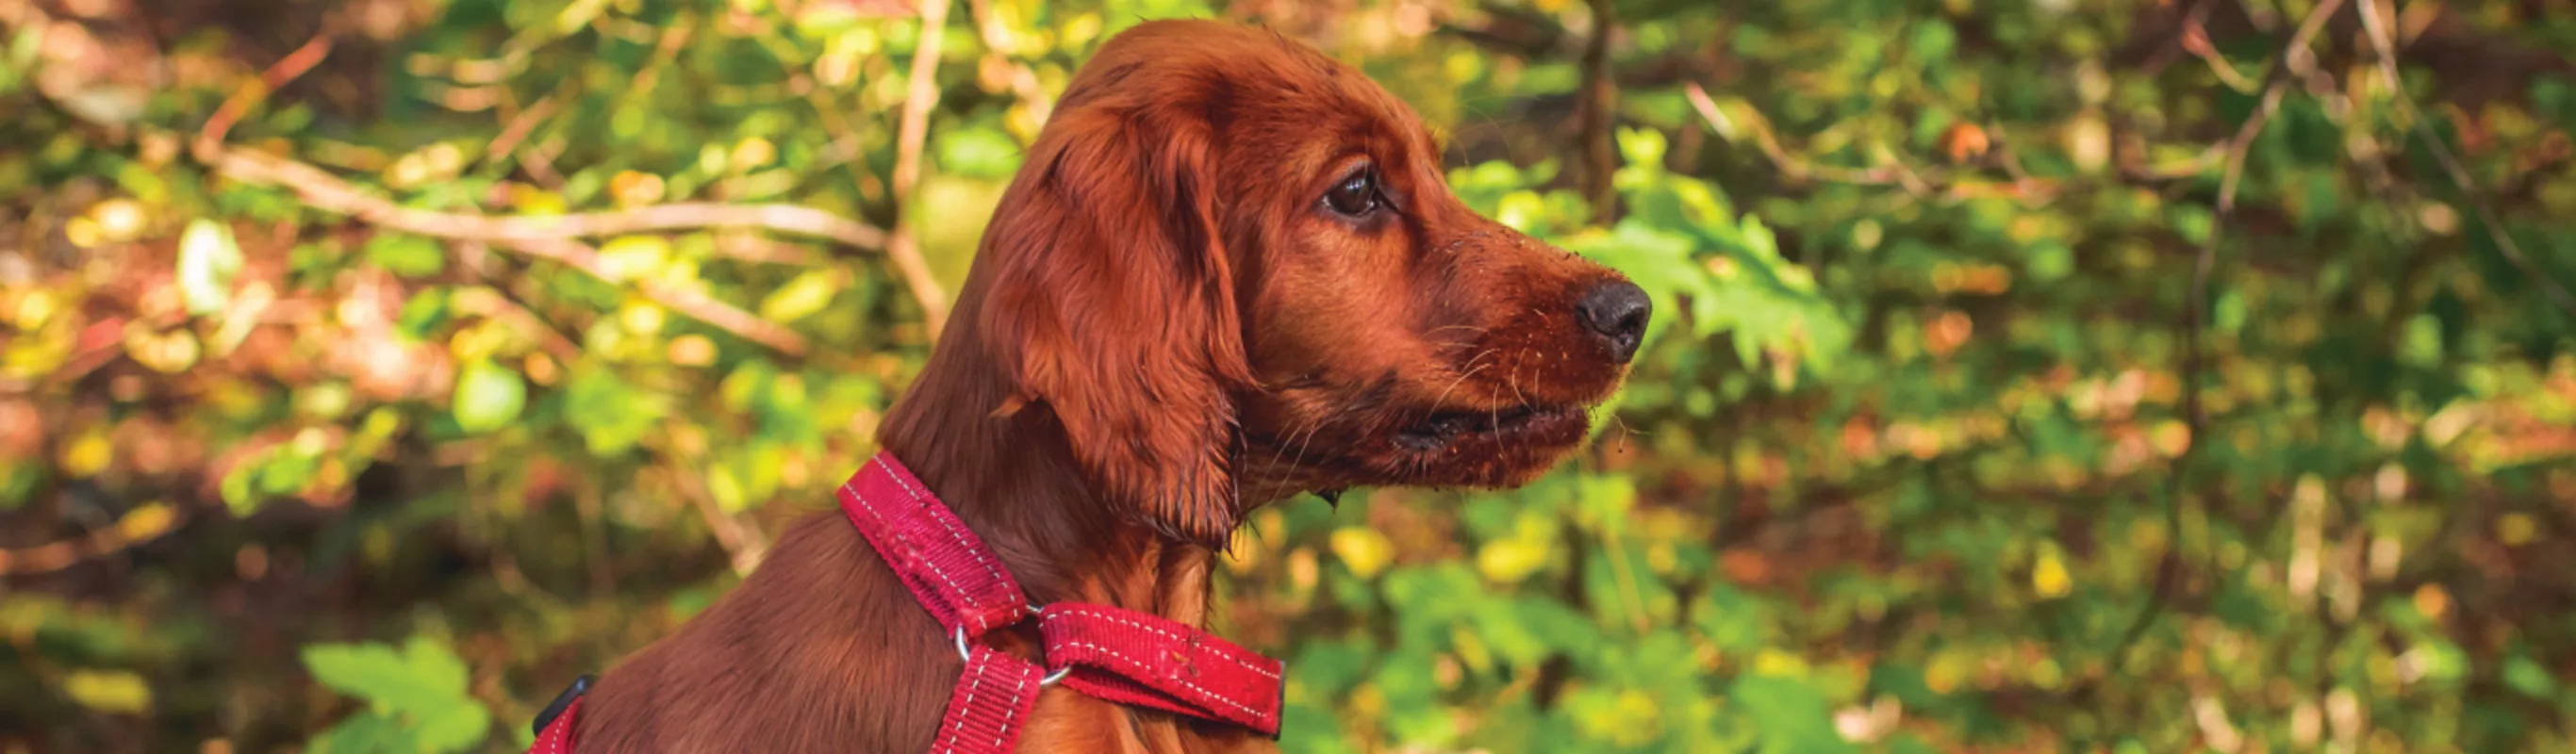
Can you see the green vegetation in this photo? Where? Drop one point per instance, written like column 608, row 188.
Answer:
column 2097, row 375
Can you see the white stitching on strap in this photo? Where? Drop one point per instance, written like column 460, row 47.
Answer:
column 1140, row 668
column 1010, row 712
column 871, row 507
column 953, row 534
column 973, row 679
column 1052, row 612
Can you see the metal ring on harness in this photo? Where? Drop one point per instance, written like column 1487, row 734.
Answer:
column 962, row 654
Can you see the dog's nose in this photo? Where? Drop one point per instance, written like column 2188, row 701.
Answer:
column 1616, row 310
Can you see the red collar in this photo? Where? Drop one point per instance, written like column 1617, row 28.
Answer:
column 1117, row 655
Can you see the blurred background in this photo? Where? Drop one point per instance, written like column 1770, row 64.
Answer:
column 2070, row 375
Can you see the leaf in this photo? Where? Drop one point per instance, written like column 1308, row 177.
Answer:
column 208, row 259
column 611, row 415
column 488, row 397
column 1363, row 550
column 434, row 667
column 1791, row 714
column 2523, row 674
column 457, row 727
column 808, row 293
column 979, row 152
column 374, row 672
column 634, row 257
column 366, row 733
column 113, row 691
column 1734, row 621
column 405, row 254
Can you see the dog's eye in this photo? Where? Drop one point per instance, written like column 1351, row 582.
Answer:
column 1354, row 196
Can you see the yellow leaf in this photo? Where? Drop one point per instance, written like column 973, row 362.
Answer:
column 118, row 219
column 692, row 351
column 2516, row 529
column 145, row 522
column 1777, row 663
column 808, row 293
column 2049, row 577
column 633, row 257
column 641, row 317
column 1507, row 561
column 1364, row 550
column 531, row 200
column 109, row 690
column 87, row 455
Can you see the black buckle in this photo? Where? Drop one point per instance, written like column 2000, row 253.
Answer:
column 579, row 687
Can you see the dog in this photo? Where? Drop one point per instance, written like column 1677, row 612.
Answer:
column 1229, row 272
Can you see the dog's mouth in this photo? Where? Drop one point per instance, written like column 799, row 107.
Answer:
column 1449, row 428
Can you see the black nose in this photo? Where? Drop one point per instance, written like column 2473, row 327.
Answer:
column 1616, row 310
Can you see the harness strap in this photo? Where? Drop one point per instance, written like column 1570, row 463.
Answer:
column 990, row 705
column 954, row 576
column 1116, row 655
column 556, row 736
column 1144, row 660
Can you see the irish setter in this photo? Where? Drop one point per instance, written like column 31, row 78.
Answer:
column 1229, row 272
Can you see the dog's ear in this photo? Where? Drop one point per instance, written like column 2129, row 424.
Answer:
column 1113, row 307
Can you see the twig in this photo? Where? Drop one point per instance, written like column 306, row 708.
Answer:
column 1600, row 99
column 2377, row 30
column 2293, row 59
column 743, row 545
column 250, row 94
column 1024, row 81
column 137, row 527
column 549, row 237
column 516, row 131
column 913, row 131
column 330, row 192
column 1925, row 183
column 2195, row 39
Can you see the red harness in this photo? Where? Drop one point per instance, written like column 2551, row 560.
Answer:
column 1113, row 654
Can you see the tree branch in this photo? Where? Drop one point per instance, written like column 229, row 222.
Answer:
column 136, row 527
column 1924, row 183
column 2377, row 30
column 910, row 135
column 1594, row 113
column 2293, row 62
column 549, row 237
column 250, row 94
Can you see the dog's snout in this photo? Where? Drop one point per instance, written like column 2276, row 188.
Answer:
column 1616, row 310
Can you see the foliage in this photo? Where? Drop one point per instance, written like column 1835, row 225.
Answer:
column 1911, row 461
column 416, row 698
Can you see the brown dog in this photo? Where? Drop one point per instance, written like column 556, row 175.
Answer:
column 1230, row 271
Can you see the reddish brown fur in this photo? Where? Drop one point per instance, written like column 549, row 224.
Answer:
column 1164, row 329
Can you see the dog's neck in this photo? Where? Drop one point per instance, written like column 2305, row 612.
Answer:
column 1013, row 480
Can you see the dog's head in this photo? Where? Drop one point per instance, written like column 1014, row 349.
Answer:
column 1232, row 265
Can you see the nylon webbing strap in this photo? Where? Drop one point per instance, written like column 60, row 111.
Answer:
column 1134, row 658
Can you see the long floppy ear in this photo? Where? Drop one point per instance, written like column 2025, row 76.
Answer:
column 1114, row 308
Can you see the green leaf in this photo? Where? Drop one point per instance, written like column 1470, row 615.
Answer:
column 1792, row 715
column 808, row 293
column 488, row 397
column 2525, row 675
column 979, row 152
column 406, row 254
column 434, row 667
column 208, row 259
column 456, row 727
column 366, row 733
column 376, row 673
column 611, row 415
column 1734, row 621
